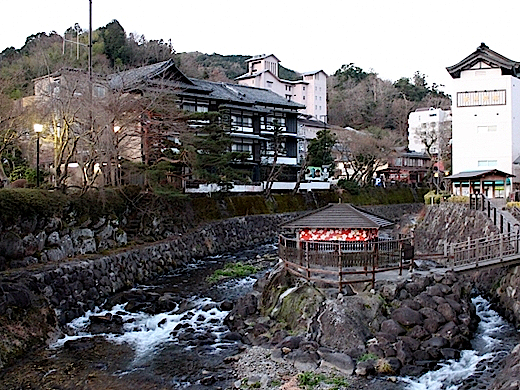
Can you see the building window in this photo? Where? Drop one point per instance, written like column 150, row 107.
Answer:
column 288, row 97
column 248, row 148
column 304, row 88
column 269, row 84
column 486, row 129
column 99, row 91
column 481, row 98
column 287, row 87
column 303, row 97
column 487, row 163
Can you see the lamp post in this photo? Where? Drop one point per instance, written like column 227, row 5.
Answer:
column 38, row 129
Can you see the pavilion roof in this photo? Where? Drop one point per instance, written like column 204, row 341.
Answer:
column 338, row 216
column 479, row 174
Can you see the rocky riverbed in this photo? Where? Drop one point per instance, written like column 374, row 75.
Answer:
column 367, row 337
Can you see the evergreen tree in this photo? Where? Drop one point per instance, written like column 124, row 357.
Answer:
column 215, row 161
column 320, row 149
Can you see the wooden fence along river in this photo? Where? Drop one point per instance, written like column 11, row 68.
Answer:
column 482, row 252
column 340, row 263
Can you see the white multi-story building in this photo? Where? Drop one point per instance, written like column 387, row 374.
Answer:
column 485, row 122
column 311, row 90
column 425, row 126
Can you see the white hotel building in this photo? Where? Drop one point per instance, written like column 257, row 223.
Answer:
column 485, row 124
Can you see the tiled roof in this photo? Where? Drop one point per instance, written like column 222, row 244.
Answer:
column 337, row 216
column 261, row 57
column 245, row 94
column 314, row 72
column 478, row 174
column 488, row 56
column 234, row 93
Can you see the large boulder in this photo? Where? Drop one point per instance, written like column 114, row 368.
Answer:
column 345, row 323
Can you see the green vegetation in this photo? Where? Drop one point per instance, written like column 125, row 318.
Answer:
column 309, row 380
column 320, row 149
column 183, row 209
column 233, row 270
column 367, row 356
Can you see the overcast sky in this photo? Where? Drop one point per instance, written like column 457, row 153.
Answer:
column 393, row 38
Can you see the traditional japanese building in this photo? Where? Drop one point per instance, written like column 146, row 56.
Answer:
column 337, row 222
column 486, row 122
column 340, row 244
column 248, row 112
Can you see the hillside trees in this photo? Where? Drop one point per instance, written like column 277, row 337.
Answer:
column 361, row 99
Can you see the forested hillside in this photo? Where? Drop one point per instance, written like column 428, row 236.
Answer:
column 362, row 100
column 356, row 98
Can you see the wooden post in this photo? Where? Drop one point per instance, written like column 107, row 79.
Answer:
column 340, row 267
column 501, row 224
column 495, row 216
column 374, row 263
column 489, row 208
column 452, row 257
column 308, row 273
column 400, row 258
column 501, row 247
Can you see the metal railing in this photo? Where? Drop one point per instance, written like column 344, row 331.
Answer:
column 343, row 262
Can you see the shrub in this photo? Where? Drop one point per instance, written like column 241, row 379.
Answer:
column 351, row 186
column 458, row 199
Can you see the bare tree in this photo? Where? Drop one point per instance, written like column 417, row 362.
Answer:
column 365, row 154
column 274, row 151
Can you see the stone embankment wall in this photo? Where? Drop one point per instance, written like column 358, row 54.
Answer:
column 28, row 296
column 43, row 240
column 449, row 223
column 75, row 286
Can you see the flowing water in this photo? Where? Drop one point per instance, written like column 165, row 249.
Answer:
column 476, row 368
column 185, row 346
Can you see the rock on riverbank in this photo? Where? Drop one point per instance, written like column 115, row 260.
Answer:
column 399, row 328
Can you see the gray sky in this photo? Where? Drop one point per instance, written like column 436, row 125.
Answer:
column 393, row 38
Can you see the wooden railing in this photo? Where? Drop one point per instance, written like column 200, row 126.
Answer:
column 478, row 251
column 481, row 203
column 340, row 263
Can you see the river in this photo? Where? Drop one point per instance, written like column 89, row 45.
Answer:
column 476, row 368
column 171, row 334
column 165, row 335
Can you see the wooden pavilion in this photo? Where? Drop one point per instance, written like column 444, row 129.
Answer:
column 340, row 244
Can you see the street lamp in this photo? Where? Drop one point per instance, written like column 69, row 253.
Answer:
column 38, row 129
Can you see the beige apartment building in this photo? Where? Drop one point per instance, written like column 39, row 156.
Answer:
column 311, row 90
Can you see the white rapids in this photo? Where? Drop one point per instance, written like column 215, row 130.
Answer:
column 146, row 332
column 488, row 347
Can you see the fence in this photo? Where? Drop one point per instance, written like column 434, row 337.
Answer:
column 481, row 203
column 340, row 263
column 474, row 252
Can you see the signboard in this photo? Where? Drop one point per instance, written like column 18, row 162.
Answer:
column 317, row 173
column 481, row 98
